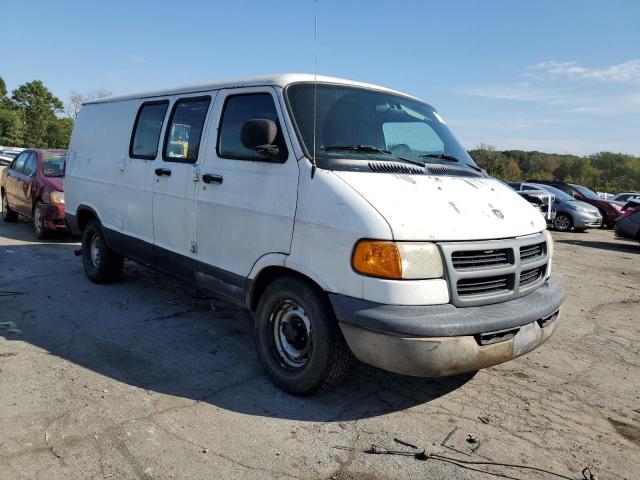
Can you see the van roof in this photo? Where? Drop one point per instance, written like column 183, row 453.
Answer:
column 276, row 80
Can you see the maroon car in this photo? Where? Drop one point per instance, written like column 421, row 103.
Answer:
column 609, row 209
column 32, row 186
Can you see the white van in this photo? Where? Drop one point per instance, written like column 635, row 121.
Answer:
column 345, row 215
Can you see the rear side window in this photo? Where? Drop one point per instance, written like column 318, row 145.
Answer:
column 31, row 165
column 237, row 110
column 146, row 130
column 182, row 140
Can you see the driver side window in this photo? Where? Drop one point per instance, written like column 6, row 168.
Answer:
column 31, row 165
column 18, row 164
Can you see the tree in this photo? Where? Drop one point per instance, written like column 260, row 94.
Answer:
column 59, row 133
column 76, row 100
column 10, row 127
column 3, row 89
column 487, row 157
column 39, row 106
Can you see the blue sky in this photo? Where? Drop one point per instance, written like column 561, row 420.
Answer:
column 557, row 76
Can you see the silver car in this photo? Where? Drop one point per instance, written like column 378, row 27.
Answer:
column 570, row 213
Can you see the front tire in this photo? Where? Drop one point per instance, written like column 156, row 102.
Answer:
column 101, row 264
column 563, row 222
column 298, row 338
column 38, row 222
column 8, row 215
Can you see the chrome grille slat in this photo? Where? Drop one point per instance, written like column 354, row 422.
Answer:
column 492, row 271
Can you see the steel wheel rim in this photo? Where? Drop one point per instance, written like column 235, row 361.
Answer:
column 37, row 220
column 562, row 222
column 291, row 334
column 94, row 250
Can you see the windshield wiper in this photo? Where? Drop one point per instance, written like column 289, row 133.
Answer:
column 442, row 156
column 371, row 149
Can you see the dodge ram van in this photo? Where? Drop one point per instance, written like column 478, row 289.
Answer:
column 345, row 216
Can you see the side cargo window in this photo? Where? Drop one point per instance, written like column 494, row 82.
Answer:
column 237, row 110
column 146, row 130
column 182, row 138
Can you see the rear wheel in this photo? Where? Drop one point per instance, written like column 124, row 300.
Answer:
column 298, row 338
column 101, row 264
column 563, row 222
column 38, row 222
column 8, row 215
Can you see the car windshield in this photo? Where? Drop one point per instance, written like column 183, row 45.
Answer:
column 360, row 123
column 560, row 195
column 53, row 164
column 586, row 192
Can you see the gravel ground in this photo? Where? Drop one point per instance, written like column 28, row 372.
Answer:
column 141, row 379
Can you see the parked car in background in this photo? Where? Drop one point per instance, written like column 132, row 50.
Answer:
column 32, row 186
column 7, row 154
column 605, row 195
column 541, row 200
column 570, row 213
column 632, row 206
column 629, row 226
column 609, row 209
column 626, row 196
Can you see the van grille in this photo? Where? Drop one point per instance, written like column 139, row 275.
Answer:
column 492, row 271
column 483, row 286
column 528, row 277
column 531, row 252
column 468, row 259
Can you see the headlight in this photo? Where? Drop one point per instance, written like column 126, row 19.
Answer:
column 579, row 208
column 549, row 243
column 397, row 260
column 56, row 197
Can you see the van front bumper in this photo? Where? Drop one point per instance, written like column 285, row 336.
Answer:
column 440, row 340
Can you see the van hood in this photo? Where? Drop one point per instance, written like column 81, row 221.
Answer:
column 425, row 207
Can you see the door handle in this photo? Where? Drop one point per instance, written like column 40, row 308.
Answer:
column 210, row 178
column 163, row 172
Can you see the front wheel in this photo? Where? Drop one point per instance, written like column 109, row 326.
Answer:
column 8, row 215
column 38, row 222
column 298, row 338
column 101, row 264
column 563, row 222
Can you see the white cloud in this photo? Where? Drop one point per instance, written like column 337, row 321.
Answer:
column 626, row 72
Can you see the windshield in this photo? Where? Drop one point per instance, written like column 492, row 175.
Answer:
column 560, row 195
column 586, row 192
column 53, row 164
column 353, row 122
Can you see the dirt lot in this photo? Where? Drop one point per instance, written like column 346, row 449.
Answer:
column 141, row 379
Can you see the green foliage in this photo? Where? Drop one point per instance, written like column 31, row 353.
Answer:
column 10, row 127
column 59, row 133
column 604, row 171
column 40, row 107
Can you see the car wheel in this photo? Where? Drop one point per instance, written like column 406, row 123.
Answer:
column 8, row 215
column 298, row 338
column 101, row 264
column 563, row 222
column 38, row 222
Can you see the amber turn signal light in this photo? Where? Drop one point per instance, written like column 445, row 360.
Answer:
column 377, row 259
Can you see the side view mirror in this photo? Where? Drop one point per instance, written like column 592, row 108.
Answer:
column 258, row 134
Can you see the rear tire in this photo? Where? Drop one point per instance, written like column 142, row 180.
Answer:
column 563, row 222
column 101, row 264
column 8, row 215
column 298, row 338
column 38, row 222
